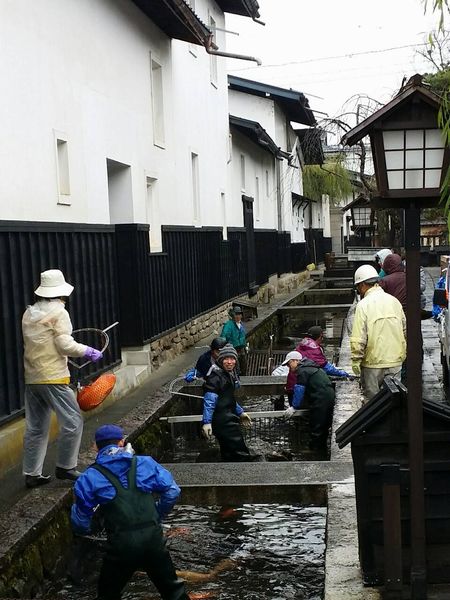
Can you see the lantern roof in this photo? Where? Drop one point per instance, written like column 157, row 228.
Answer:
column 413, row 88
column 360, row 200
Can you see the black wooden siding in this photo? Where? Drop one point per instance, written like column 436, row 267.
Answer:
column 85, row 254
column 116, row 278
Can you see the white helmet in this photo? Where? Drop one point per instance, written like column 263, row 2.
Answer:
column 381, row 255
column 366, row 273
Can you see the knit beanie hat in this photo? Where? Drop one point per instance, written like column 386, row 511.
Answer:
column 225, row 352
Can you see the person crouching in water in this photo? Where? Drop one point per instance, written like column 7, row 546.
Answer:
column 311, row 347
column 314, row 390
column 122, row 486
column 222, row 415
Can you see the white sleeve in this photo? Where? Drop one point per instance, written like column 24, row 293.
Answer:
column 66, row 345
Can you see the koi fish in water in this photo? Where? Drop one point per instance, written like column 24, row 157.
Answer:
column 227, row 513
column 225, row 564
column 178, row 531
column 203, row 595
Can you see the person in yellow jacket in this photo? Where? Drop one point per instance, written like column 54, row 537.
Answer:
column 377, row 342
column 48, row 341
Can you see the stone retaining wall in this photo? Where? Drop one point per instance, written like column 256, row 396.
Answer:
column 172, row 344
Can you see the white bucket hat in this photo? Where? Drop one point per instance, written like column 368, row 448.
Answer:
column 53, row 285
column 294, row 355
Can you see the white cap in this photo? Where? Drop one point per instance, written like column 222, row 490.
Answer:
column 53, row 285
column 366, row 273
column 294, row 355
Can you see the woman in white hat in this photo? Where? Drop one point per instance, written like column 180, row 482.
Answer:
column 48, row 341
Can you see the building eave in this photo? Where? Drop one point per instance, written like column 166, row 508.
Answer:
column 245, row 8
column 294, row 104
column 176, row 19
column 258, row 135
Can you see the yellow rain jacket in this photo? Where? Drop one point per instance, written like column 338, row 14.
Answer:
column 379, row 329
column 47, row 340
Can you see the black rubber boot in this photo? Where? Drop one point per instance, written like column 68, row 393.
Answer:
column 70, row 474
column 32, row 481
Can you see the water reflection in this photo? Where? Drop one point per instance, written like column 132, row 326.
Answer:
column 248, row 552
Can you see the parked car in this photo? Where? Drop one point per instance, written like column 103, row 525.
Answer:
column 442, row 317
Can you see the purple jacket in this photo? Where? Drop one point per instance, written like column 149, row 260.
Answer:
column 311, row 349
column 394, row 282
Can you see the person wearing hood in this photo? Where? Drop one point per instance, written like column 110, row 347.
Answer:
column 234, row 333
column 311, row 347
column 121, row 486
column 380, row 257
column 48, row 341
column 222, row 415
column 206, row 360
column 394, row 282
column 313, row 389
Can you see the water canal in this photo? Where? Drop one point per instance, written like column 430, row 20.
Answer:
column 251, row 551
column 269, row 546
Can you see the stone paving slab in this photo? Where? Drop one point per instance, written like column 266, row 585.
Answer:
column 262, row 473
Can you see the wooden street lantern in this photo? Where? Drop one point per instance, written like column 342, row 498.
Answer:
column 411, row 160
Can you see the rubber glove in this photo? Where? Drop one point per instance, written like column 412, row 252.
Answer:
column 330, row 369
column 191, row 375
column 93, row 354
column 207, row 430
column 245, row 420
column 289, row 412
column 356, row 368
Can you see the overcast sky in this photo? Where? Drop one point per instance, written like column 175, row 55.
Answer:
column 337, row 48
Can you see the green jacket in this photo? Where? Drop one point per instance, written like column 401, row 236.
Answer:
column 233, row 334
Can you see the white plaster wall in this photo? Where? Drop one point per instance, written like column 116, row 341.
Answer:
column 253, row 108
column 257, row 163
column 80, row 70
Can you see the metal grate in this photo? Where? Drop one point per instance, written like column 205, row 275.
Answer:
column 260, row 362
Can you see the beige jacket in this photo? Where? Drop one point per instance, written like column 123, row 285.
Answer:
column 47, row 339
column 379, row 329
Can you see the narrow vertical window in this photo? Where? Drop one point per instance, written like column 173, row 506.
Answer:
column 223, row 203
column 153, row 215
column 257, row 201
column 195, row 188
column 212, row 58
column 62, row 168
column 157, row 103
column 267, row 183
column 242, row 172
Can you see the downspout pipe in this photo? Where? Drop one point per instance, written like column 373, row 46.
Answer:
column 211, row 48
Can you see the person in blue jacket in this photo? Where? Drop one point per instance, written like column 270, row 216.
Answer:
column 222, row 415
column 121, row 486
column 206, row 360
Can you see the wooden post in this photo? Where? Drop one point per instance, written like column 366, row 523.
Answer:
column 415, row 408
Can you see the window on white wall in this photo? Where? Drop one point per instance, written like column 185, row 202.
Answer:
column 153, row 214
column 62, row 168
column 157, row 103
column 267, row 184
column 212, row 58
column 223, row 202
column 242, row 172
column 257, row 201
column 195, row 188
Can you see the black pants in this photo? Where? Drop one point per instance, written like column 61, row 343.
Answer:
column 242, row 360
column 115, row 574
column 227, row 429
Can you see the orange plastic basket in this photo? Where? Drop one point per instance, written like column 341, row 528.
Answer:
column 93, row 394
